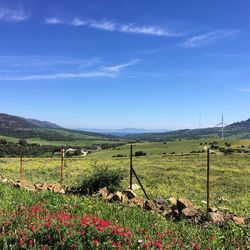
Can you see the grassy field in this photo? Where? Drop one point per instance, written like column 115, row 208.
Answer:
column 53, row 221
column 168, row 169
column 86, row 141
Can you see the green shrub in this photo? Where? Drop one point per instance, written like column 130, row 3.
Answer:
column 140, row 153
column 119, row 155
column 102, row 177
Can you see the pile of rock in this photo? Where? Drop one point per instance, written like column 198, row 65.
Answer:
column 126, row 197
column 33, row 187
column 172, row 208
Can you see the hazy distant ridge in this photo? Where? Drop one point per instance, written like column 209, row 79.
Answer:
column 19, row 127
column 234, row 130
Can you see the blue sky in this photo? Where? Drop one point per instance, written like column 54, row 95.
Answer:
column 135, row 63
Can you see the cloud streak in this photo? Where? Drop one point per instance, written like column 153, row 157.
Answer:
column 53, row 20
column 9, row 15
column 208, row 38
column 60, row 75
column 59, row 69
column 117, row 68
column 108, row 25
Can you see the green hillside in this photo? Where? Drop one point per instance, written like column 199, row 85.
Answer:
column 13, row 128
column 238, row 130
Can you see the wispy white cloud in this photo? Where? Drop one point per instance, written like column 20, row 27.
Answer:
column 209, row 37
column 102, row 25
column 60, row 75
column 117, row 68
column 40, row 61
column 151, row 51
column 53, row 20
column 77, row 22
column 147, row 30
column 13, row 15
column 131, row 28
column 23, row 68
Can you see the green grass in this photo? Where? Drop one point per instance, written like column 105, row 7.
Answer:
column 83, row 142
column 131, row 217
column 162, row 173
column 9, row 139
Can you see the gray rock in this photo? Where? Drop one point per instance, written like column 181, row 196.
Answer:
column 103, row 192
column 216, row 218
column 137, row 201
column 167, row 213
column 239, row 220
column 212, row 209
column 172, row 201
column 160, row 200
column 150, row 205
column 184, row 203
column 109, row 197
column 189, row 212
column 118, row 196
column 130, row 193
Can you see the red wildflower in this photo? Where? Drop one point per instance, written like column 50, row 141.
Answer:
column 196, row 246
column 21, row 242
column 96, row 243
column 47, row 224
column 159, row 235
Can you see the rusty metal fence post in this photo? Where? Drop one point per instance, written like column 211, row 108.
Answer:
column 132, row 171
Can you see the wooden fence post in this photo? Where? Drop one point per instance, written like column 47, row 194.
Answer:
column 21, row 152
column 62, row 165
column 208, row 179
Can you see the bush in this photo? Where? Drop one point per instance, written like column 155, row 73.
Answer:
column 119, row 155
column 140, row 153
column 102, row 177
column 23, row 142
column 228, row 144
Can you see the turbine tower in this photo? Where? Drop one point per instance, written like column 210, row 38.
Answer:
column 222, row 126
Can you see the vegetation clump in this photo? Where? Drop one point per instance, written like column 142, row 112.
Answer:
column 102, row 177
column 140, row 153
column 119, row 155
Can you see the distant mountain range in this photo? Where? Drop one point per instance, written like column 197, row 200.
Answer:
column 19, row 127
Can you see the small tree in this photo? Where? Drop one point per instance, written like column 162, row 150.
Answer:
column 22, row 142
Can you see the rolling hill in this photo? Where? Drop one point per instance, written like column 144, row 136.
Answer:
column 19, row 127
column 16, row 122
column 239, row 130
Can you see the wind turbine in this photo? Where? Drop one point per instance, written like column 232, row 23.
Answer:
column 222, row 126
